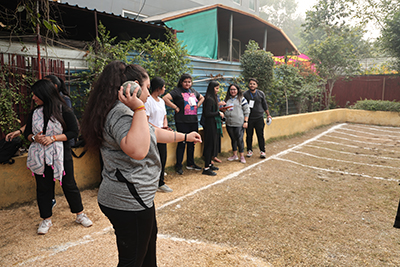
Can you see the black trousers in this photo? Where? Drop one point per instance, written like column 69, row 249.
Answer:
column 258, row 125
column 180, row 149
column 136, row 233
column 162, row 149
column 45, row 190
column 236, row 135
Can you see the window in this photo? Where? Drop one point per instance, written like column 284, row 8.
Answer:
column 239, row 2
column 132, row 15
column 252, row 5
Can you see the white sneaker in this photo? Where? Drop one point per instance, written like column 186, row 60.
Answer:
column 84, row 220
column 44, row 227
column 164, row 188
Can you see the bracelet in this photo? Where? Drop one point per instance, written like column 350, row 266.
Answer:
column 185, row 138
column 245, row 121
column 20, row 131
column 52, row 138
column 139, row 108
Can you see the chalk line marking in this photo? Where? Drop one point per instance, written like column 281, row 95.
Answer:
column 346, row 161
column 364, row 132
column 360, row 136
column 351, row 153
column 342, row 138
column 366, row 148
column 378, row 128
column 91, row 237
column 337, row 171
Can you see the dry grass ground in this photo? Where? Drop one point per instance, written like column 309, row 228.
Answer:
column 325, row 198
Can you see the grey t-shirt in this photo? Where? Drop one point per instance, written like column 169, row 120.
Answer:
column 142, row 174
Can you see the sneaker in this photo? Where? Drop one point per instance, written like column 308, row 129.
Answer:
column 242, row 159
column 179, row 171
column 84, row 220
column 44, row 227
column 232, row 158
column 193, row 167
column 53, row 203
column 164, row 188
column 209, row 172
column 213, row 168
column 262, row 155
column 249, row 153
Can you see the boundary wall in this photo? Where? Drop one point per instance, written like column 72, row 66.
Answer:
column 17, row 185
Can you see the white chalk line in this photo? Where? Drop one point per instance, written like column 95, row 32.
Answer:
column 359, row 147
column 346, row 161
column 371, row 138
column 91, row 237
column 351, row 140
column 337, row 171
column 197, row 242
column 233, row 175
column 351, row 153
column 378, row 128
column 364, row 132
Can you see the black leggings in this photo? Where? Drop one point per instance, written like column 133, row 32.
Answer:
column 45, row 190
column 162, row 149
column 136, row 233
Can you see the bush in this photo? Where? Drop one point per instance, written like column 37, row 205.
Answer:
column 377, row 105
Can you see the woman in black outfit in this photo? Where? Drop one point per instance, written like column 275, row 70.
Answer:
column 49, row 127
column 212, row 127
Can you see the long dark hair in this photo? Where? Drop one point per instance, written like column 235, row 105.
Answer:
column 103, row 96
column 239, row 93
column 52, row 101
column 156, row 84
column 184, row 77
column 210, row 93
column 60, row 84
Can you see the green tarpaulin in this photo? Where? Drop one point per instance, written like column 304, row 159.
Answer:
column 200, row 33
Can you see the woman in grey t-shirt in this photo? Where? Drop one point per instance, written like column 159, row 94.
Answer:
column 116, row 123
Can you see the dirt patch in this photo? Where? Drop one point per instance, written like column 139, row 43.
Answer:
column 310, row 206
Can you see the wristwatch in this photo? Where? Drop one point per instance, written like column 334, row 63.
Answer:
column 33, row 138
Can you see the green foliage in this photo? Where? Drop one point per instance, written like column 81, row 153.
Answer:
column 167, row 59
column 10, row 95
column 259, row 64
column 377, row 105
column 391, row 38
column 288, row 82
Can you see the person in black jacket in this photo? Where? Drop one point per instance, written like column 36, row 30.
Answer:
column 49, row 127
column 212, row 127
column 258, row 105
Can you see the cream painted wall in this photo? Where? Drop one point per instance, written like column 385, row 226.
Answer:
column 18, row 186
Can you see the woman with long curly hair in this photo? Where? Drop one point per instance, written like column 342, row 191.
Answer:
column 115, row 122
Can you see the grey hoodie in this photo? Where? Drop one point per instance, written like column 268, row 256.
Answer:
column 234, row 117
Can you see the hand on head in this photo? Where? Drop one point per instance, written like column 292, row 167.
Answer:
column 130, row 100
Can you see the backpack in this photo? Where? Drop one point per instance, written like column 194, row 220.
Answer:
column 8, row 149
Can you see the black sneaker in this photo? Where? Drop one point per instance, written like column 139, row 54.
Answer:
column 209, row 172
column 213, row 168
column 193, row 167
column 179, row 171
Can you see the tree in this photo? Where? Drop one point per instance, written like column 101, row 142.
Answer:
column 287, row 80
column 259, row 64
column 283, row 15
column 391, row 37
column 337, row 51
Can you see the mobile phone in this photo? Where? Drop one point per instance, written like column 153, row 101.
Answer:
column 133, row 87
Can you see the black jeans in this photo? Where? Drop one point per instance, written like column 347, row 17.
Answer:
column 45, row 190
column 258, row 125
column 236, row 135
column 162, row 149
column 136, row 233
column 180, row 149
